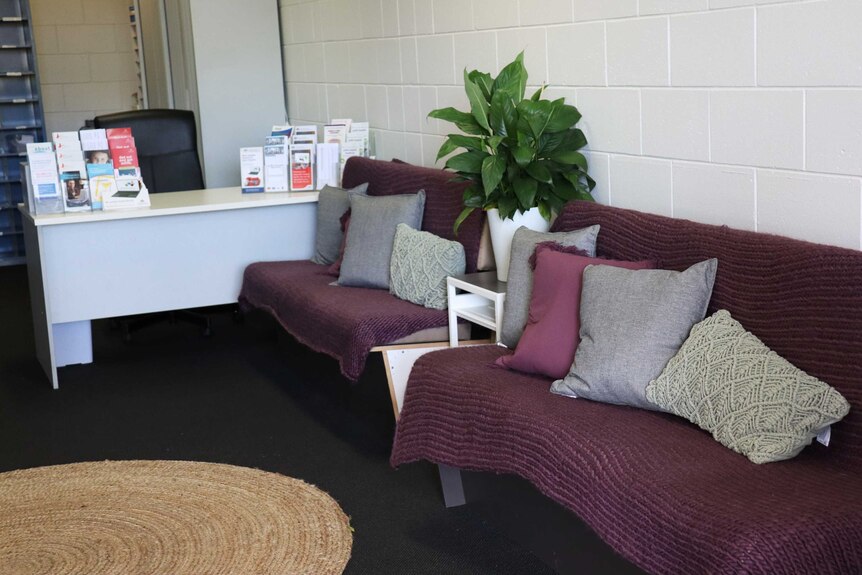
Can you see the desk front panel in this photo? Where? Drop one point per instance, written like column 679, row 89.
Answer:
column 125, row 267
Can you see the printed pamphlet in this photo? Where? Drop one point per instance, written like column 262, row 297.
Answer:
column 334, row 134
column 328, row 165
column 43, row 178
column 281, row 130
column 75, row 195
column 302, row 168
column 304, row 135
column 251, row 169
column 276, row 172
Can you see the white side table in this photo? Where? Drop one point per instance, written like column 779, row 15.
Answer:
column 477, row 297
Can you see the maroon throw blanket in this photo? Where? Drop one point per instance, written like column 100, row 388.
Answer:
column 656, row 488
column 342, row 322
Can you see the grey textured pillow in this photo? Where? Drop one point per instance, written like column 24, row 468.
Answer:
column 332, row 203
column 632, row 323
column 420, row 263
column 751, row 399
column 368, row 249
column 520, row 284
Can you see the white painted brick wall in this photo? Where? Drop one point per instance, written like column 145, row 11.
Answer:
column 745, row 113
column 85, row 57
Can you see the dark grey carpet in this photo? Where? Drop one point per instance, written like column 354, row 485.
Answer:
column 242, row 398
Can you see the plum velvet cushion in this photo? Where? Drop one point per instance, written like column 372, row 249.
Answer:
column 550, row 338
column 368, row 248
column 332, row 203
column 520, row 283
column 632, row 323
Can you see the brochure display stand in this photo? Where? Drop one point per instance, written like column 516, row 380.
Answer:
column 21, row 120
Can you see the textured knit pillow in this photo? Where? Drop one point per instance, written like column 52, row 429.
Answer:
column 520, row 284
column 550, row 339
column 331, row 205
column 752, row 400
column 420, row 264
column 368, row 249
column 632, row 323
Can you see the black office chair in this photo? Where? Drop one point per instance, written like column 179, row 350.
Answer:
column 167, row 144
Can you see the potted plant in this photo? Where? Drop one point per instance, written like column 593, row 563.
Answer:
column 520, row 155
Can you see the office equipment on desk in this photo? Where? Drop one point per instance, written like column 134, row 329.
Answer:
column 21, row 120
column 190, row 251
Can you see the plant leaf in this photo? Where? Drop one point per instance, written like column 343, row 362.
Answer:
column 536, row 115
column 523, row 156
column 537, row 95
column 493, row 168
column 446, row 148
column 512, row 79
column 478, row 104
column 525, row 191
column 563, row 118
column 591, row 184
column 469, row 162
column 504, row 116
column 467, row 142
column 465, row 213
column 473, row 196
column 569, row 158
column 507, row 206
column 494, row 142
column 484, row 81
column 451, row 115
column 540, row 173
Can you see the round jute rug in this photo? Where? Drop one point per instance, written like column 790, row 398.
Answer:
column 167, row 518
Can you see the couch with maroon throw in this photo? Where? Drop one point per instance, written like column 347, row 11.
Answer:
column 657, row 489
column 346, row 322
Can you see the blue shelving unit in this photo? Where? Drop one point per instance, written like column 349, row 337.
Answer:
column 21, row 119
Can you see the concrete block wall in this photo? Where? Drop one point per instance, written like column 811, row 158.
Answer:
column 739, row 112
column 85, row 58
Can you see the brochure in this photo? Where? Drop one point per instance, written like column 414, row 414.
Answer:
column 304, row 135
column 76, row 197
column 43, row 178
column 93, row 140
column 328, row 165
column 348, row 151
column 342, row 121
column 334, row 134
column 302, row 168
column 275, row 164
column 281, row 130
column 251, row 169
column 102, row 183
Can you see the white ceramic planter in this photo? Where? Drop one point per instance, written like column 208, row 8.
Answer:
column 502, row 232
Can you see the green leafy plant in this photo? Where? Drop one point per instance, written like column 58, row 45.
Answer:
column 518, row 153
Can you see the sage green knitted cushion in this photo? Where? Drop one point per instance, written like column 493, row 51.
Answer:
column 752, row 400
column 419, row 266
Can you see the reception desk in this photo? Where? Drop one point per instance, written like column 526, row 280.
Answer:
column 187, row 250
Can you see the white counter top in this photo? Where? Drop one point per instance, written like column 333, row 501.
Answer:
column 172, row 203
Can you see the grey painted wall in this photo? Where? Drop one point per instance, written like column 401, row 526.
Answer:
column 239, row 80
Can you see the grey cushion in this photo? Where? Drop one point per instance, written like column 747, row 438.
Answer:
column 332, row 203
column 520, row 284
column 752, row 400
column 420, row 263
column 368, row 249
column 632, row 323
